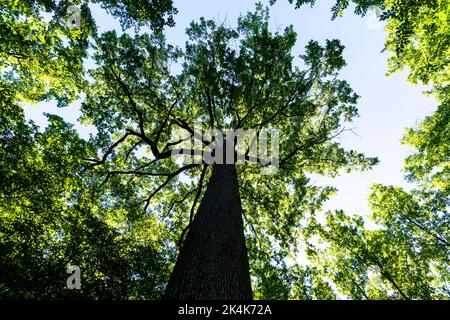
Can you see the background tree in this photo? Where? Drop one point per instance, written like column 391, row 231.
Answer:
column 49, row 220
column 410, row 252
column 50, row 211
column 42, row 54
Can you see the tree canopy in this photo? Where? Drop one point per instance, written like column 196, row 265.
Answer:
column 119, row 204
column 410, row 252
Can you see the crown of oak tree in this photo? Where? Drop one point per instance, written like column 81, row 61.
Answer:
column 228, row 78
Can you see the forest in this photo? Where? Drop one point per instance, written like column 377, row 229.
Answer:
column 148, row 206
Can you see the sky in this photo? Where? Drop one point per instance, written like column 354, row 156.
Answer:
column 387, row 105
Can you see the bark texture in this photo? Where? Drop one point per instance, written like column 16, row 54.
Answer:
column 213, row 261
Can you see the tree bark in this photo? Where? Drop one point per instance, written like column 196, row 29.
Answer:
column 213, row 262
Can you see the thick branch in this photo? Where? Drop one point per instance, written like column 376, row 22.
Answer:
column 133, row 103
column 109, row 151
column 210, row 109
column 194, row 203
column 169, row 177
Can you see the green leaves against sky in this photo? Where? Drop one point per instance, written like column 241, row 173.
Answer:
column 116, row 204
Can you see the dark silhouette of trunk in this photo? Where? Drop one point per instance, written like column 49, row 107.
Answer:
column 213, row 261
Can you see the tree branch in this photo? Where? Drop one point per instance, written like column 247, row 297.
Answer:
column 194, row 203
column 169, row 177
column 109, row 151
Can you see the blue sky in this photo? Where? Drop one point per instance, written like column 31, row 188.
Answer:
column 387, row 105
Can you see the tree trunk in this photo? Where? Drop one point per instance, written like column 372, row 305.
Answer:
column 213, row 262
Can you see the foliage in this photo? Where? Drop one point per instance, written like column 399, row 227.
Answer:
column 418, row 36
column 49, row 221
column 117, row 205
column 43, row 57
column 155, row 13
column 410, row 251
column 240, row 78
column 51, row 211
